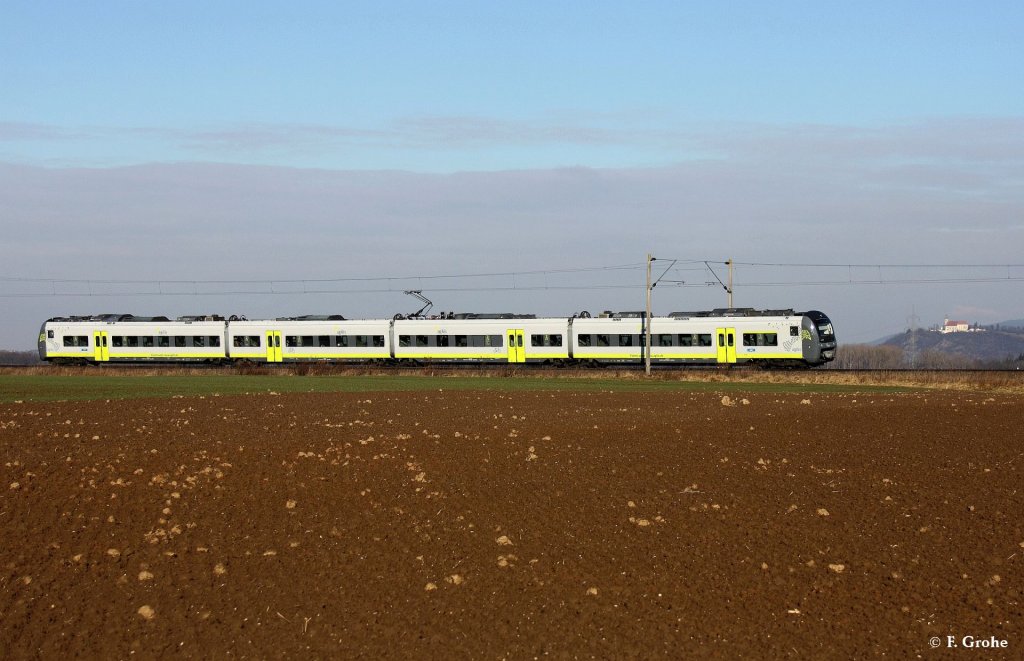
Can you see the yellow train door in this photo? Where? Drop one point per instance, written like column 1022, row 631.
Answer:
column 726, row 344
column 273, row 346
column 516, row 350
column 101, row 346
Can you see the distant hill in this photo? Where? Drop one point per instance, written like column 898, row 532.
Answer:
column 985, row 346
column 1013, row 323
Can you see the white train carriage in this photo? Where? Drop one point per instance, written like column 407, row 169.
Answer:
column 309, row 338
column 737, row 336
column 766, row 337
column 612, row 339
column 621, row 338
column 491, row 338
column 125, row 338
column 726, row 336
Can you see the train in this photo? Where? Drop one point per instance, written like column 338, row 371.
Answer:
column 725, row 336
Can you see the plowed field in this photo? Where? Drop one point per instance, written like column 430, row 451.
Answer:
column 482, row 524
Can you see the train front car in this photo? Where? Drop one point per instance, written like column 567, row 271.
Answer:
column 42, row 342
column 68, row 340
column 126, row 338
column 818, row 338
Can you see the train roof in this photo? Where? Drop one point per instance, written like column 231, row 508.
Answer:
column 490, row 315
column 133, row 318
column 629, row 314
column 735, row 312
column 314, row 317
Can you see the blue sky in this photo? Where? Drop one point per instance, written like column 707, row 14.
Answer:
column 250, row 140
column 471, row 85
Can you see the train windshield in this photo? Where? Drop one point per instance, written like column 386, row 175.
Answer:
column 825, row 330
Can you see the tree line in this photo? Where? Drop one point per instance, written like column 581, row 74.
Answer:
column 887, row 356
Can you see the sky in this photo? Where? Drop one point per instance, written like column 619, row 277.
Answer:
column 313, row 143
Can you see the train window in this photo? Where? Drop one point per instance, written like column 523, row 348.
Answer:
column 378, row 340
column 442, row 340
column 583, row 339
column 179, row 340
column 131, row 341
column 404, row 341
column 519, row 339
column 306, row 341
column 704, row 340
column 214, row 340
column 760, row 339
column 198, row 341
column 461, row 341
column 117, row 341
column 323, row 340
column 341, row 340
column 486, row 341
column 49, row 334
column 794, row 331
column 246, row 340
column 721, row 339
column 70, row 341
column 147, row 340
column 421, row 341
column 291, row 340
column 555, row 340
column 604, row 340
column 663, row 339
column 163, row 341
column 625, row 340
column 362, row 341
column 536, row 340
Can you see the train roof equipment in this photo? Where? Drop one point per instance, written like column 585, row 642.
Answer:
column 314, row 317
column 732, row 312
column 491, row 315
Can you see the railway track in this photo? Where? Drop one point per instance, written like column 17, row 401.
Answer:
column 329, row 368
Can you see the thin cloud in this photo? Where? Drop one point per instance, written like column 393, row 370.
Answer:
column 469, row 131
column 25, row 131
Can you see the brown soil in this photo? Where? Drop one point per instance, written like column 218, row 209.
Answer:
column 481, row 525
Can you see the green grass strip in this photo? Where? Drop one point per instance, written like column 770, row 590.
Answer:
column 85, row 388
